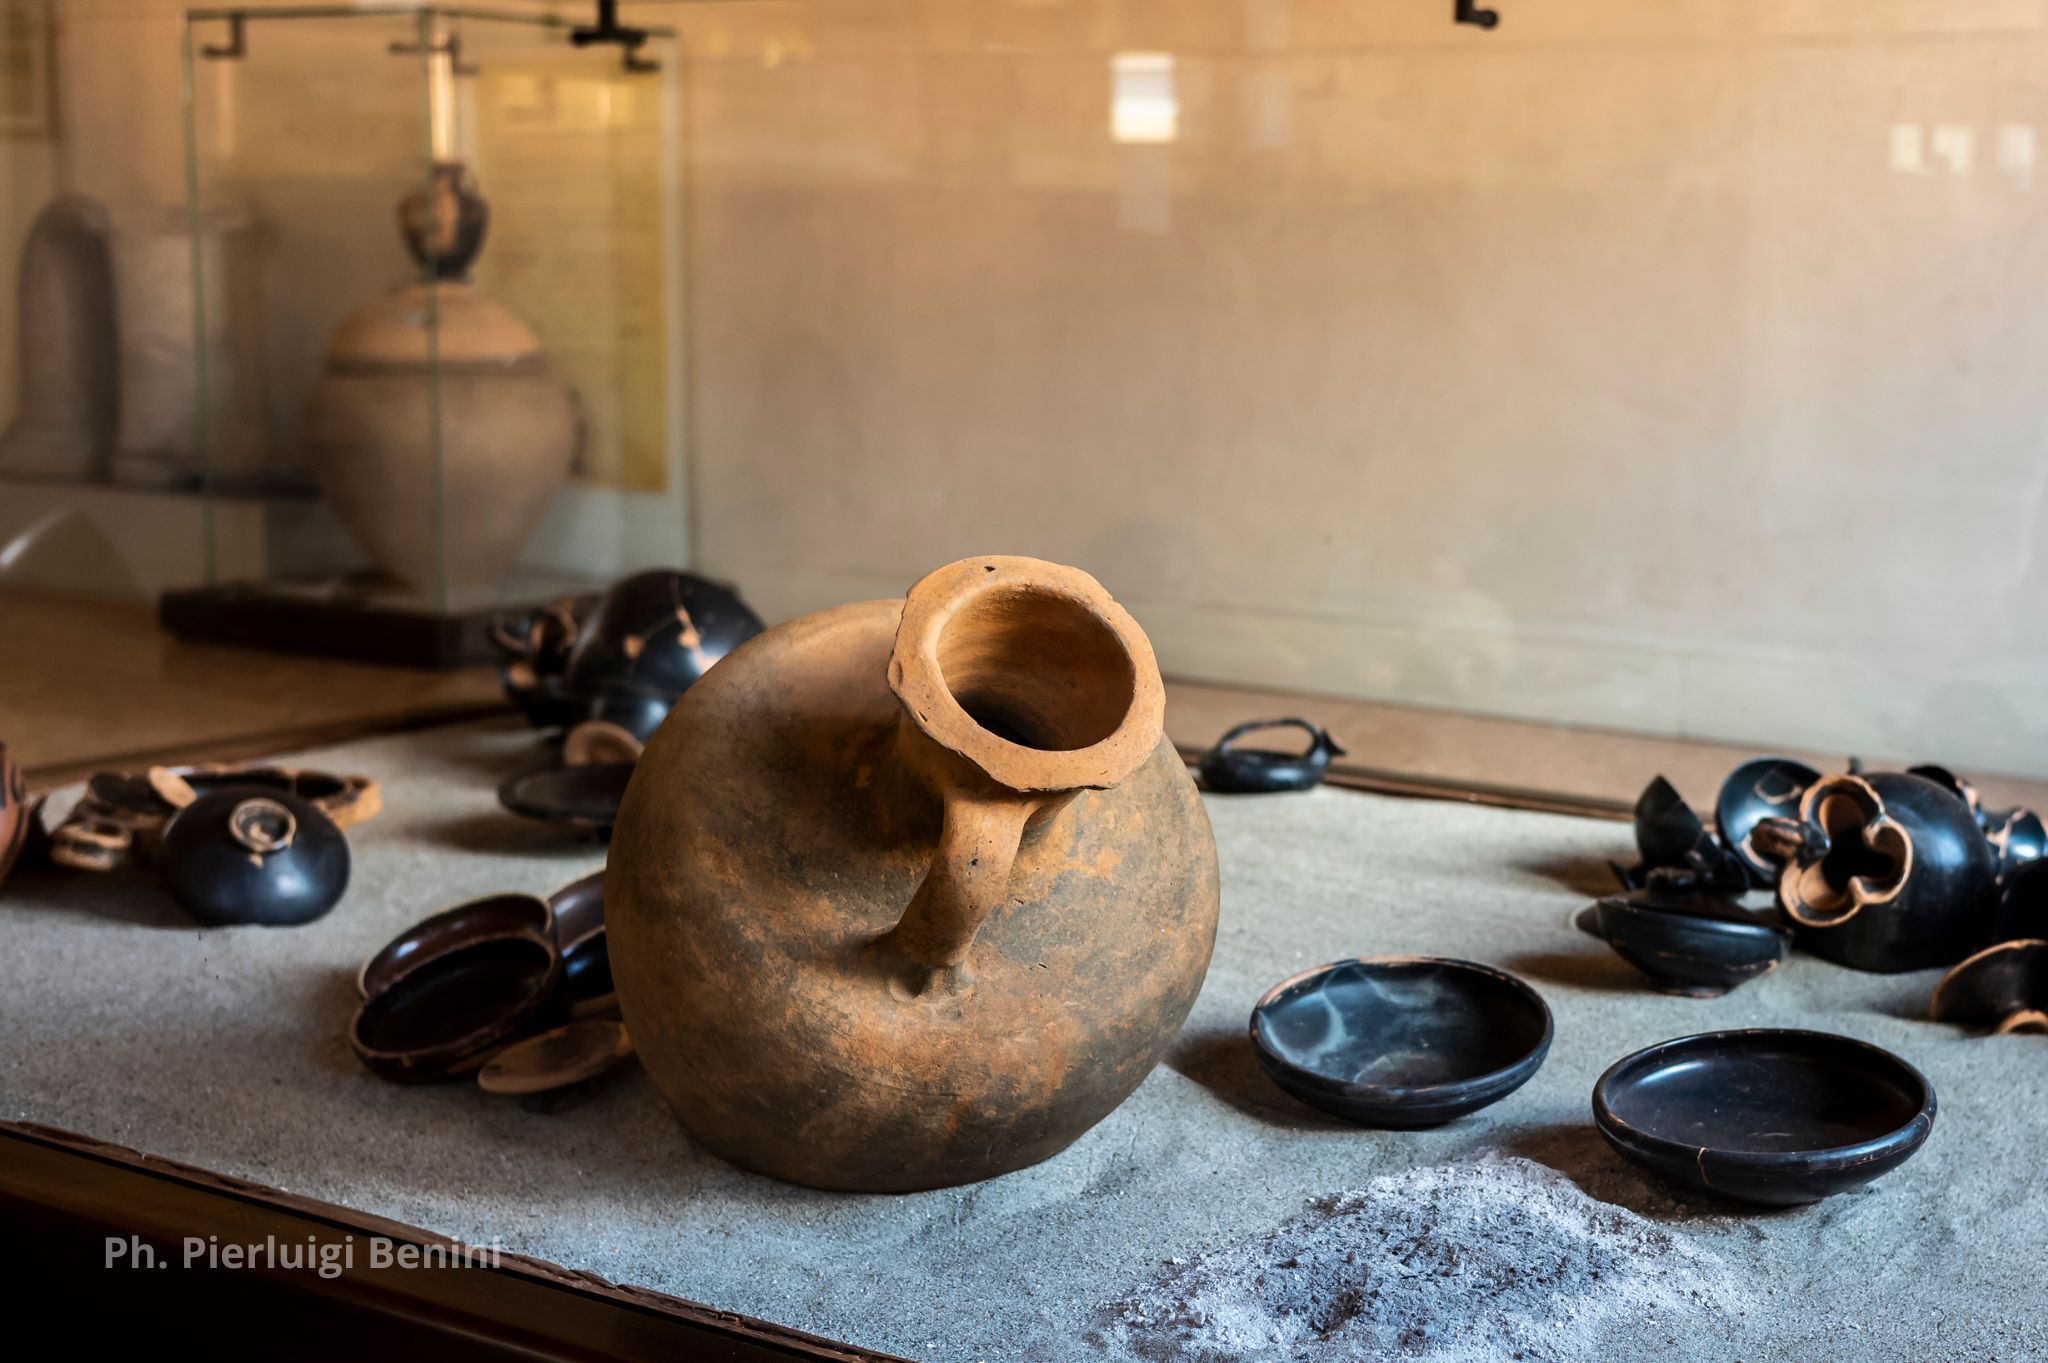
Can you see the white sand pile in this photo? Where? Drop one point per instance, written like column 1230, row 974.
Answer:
column 1489, row 1260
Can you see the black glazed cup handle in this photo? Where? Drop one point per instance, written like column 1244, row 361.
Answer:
column 1322, row 747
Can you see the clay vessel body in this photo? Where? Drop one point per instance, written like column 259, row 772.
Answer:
column 439, row 435
column 910, row 894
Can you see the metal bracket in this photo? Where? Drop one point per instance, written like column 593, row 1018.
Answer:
column 237, row 45
column 1468, row 12
column 451, row 45
column 607, row 29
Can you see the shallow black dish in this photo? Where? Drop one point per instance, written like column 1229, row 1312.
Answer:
column 577, row 912
column 585, row 798
column 1697, row 945
column 245, row 855
column 1401, row 1041
column 1236, row 770
column 448, row 1015
column 478, row 920
column 1761, row 788
column 1770, row 1115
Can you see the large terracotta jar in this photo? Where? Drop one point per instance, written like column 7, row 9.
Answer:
column 909, row 894
column 439, row 434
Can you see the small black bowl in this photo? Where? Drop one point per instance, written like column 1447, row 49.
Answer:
column 1773, row 1116
column 577, row 914
column 2003, row 988
column 1401, row 1041
column 585, row 798
column 476, row 920
column 1246, row 771
column 447, row 1015
column 1696, row 945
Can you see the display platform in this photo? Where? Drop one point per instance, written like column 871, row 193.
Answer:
column 224, row 1049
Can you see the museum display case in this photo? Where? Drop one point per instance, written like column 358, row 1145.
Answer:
column 435, row 274
column 1215, row 680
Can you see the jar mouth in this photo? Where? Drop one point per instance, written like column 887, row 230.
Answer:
column 1030, row 671
column 1868, row 860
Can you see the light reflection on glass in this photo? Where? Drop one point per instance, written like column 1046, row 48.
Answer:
column 1143, row 106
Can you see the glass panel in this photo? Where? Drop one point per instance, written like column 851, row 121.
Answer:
column 1663, row 368
column 444, row 309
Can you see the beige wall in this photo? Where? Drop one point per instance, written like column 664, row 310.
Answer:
column 1662, row 366
column 1673, row 367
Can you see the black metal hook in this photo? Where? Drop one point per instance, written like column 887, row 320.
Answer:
column 237, row 45
column 608, row 29
column 1468, row 12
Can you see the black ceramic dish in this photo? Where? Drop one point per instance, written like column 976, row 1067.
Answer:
column 578, row 914
column 2022, row 904
column 585, row 798
column 248, row 856
column 120, row 820
column 1759, row 789
column 2002, row 989
column 653, row 634
column 447, row 1015
column 479, row 920
column 1884, row 872
column 1771, row 1116
column 1230, row 768
column 2017, row 836
column 1401, row 1041
column 1672, row 839
column 1698, row 945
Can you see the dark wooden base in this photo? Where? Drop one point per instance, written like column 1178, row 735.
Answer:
column 65, row 1198
column 363, row 627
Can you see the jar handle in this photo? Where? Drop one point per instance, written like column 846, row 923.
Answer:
column 969, row 875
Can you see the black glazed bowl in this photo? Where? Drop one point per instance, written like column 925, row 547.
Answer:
column 1696, row 945
column 478, row 920
column 252, row 855
column 1401, row 1041
column 1246, row 771
column 2003, row 988
column 577, row 917
column 652, row 635
column 584, row 798
column 447, row 1015
column 1772, row 1116
column 1761, row 788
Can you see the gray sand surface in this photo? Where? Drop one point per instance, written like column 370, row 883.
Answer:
column 224, row 1048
